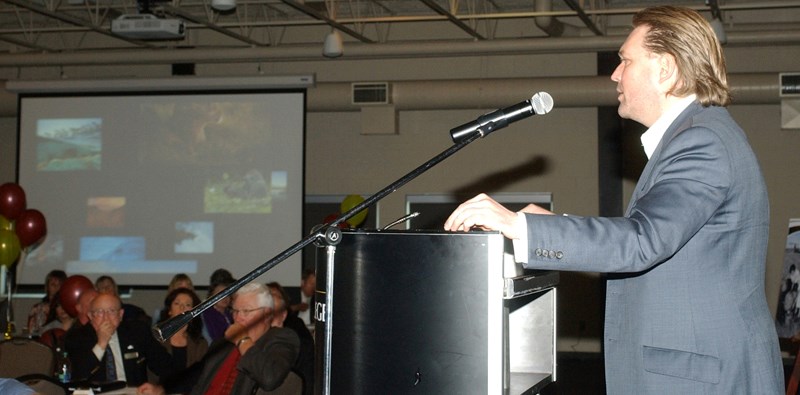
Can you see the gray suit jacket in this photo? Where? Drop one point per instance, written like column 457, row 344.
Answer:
column 686, row 311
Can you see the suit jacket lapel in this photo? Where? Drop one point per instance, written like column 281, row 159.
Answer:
column 677, row 126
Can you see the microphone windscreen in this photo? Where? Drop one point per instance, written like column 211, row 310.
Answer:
column 542, row 103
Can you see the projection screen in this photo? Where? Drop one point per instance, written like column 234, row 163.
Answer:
column 142, row 185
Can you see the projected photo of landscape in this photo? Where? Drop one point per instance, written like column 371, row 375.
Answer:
column 194, row 237
column 105, row 212
column 68, row 144
column 49, row 254
column 238, row 193
column 199, row 132
column 112, row 248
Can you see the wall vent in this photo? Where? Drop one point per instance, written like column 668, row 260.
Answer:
column 368, row 93
column 790, row 84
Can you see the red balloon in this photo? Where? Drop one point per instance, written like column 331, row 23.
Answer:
column 71, row 290
column 31, row 227
column 12, row 200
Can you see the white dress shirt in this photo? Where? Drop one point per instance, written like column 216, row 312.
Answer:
column 117, row 351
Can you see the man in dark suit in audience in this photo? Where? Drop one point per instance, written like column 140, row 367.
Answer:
column 304, row 366
column 110, row 349
column 83, row 306
column 308, row 286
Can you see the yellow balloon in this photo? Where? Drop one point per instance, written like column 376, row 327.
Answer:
column 5, row 224
column 350, row 202
column 9, row 247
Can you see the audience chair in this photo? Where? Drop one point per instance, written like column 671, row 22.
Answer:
column 19, row 357
column 43, row 384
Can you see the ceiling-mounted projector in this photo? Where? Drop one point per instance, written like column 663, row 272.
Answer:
column 148, row 27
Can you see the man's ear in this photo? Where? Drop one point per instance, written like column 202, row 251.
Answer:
column 668, row 69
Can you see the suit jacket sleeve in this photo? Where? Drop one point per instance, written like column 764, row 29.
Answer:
column 156, row 357
column 689, row 182
column 79, row 343
column 271, row 359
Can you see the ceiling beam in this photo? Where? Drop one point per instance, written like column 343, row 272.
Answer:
column 191, row 18
column 318, row 15
column 23, row 43
column 452, row 18
column 584, row 17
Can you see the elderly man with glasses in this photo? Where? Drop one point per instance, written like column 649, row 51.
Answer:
column 254, row 357
column 110, row 349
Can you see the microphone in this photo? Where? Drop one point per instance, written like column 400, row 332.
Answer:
column 541, row 103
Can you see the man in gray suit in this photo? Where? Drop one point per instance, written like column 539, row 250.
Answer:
column 686, row 311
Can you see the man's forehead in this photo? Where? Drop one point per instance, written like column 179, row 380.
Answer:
column 105, row 301
column 244, row 299
column 635, row 42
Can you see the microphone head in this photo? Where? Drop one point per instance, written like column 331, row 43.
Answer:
column 542, row 103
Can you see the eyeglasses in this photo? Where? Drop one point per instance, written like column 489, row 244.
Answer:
column 244, row 312
column 103, row 312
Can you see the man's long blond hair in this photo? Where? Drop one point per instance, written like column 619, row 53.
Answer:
column 688, row 37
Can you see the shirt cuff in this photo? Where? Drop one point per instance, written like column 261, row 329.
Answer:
column 521, row 243
column 98, row 352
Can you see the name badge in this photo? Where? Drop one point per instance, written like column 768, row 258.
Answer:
column 131, row 355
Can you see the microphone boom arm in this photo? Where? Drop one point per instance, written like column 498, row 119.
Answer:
column 164, row 330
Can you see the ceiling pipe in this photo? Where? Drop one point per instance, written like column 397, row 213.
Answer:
column 361, row 51
column 548, row 23
column 588, row 91
column 484, row 94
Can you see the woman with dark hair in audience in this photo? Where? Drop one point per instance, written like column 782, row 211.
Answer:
column 39, row 312
column 187, row 346
column 180, row 280
column 58, row 323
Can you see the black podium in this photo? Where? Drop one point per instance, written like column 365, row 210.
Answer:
column 422, row 312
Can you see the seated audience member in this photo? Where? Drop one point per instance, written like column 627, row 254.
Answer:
column 106, row 284
column 58, row 323
column 187, row 346
column 83, row 306
column 308, row 285
column 38, row 314
column 217, row 319
column 58, row 317
column 304, row 366
column 253, row 357
column 110, row 349
column 180, row 280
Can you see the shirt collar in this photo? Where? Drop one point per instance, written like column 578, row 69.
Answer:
column 653, row 135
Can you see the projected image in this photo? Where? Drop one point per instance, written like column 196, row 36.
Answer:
column 279, row 183
column 105, row 212
column 68, row 144
column 112, row 249
column 150, row 267
column 49, row 254
column 194, row 237
column 190, row 181
column 191, row 132
column 238, row 193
